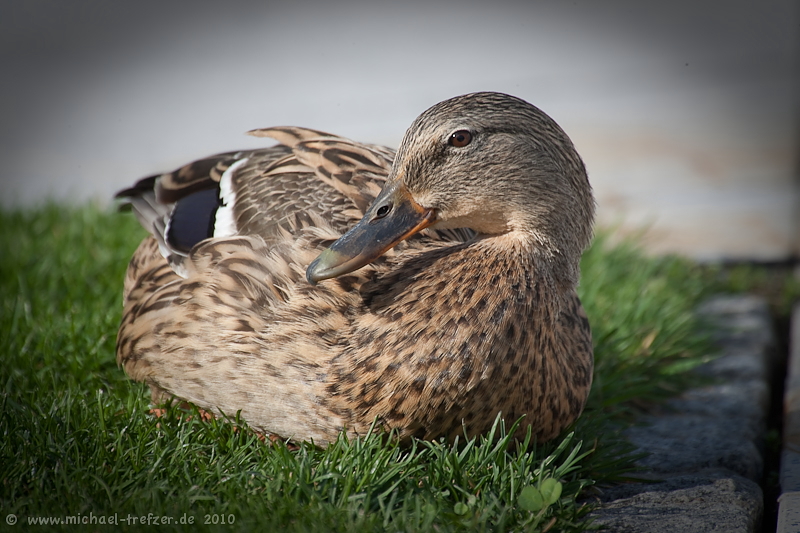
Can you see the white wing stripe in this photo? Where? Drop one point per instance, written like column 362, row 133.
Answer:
column 224, row 223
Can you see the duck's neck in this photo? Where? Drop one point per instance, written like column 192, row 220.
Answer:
column 476, row 281
column 549, row 276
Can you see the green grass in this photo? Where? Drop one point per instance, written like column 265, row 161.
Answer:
column 76, row 438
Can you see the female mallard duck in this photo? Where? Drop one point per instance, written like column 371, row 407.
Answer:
column 474, row 314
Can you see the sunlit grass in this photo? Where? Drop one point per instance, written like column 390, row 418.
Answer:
column 76, row 437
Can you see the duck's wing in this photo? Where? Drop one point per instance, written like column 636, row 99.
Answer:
column 232, row 235
column 312, row 180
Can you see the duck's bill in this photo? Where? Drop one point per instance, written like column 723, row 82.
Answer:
column 373, row 235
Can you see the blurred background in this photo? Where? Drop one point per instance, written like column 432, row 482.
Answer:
column 687, row 114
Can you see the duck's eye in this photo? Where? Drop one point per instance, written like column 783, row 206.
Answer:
column 460, row 138
column 383, row 211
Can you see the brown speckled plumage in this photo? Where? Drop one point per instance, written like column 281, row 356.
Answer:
column 475, row 315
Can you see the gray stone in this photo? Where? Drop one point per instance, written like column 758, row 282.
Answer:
column 789, row 512
column 687, row 443
column 705, row 446
column 705, row 502
column 742, row 322
column 789, row 501
column 736, row 362
column 718, row 425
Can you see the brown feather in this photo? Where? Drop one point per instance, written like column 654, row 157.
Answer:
column 474, row 317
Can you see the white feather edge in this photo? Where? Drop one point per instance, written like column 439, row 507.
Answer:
column 224, row 223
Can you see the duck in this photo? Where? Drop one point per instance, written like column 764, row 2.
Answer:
column 323, row 286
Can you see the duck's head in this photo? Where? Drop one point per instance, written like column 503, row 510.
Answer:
column 486, row 161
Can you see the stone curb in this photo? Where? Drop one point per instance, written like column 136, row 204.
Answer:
column 789, row 501
column 706, row 445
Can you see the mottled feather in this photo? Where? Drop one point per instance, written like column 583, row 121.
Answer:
column 451, row 327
